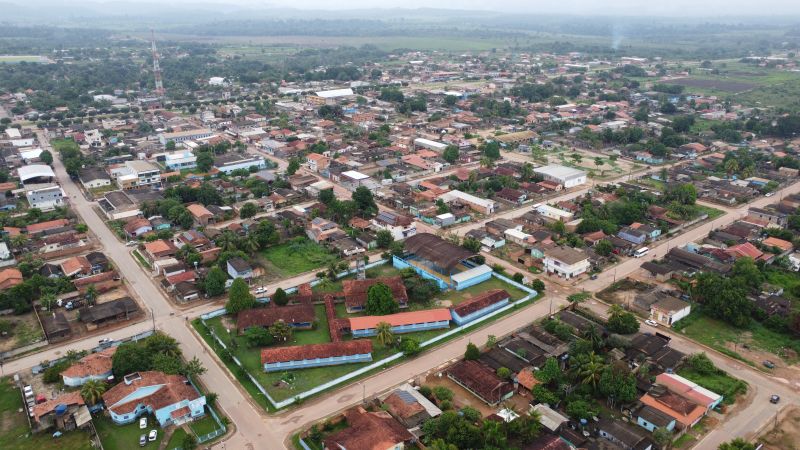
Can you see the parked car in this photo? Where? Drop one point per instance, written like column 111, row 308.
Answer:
column 651, row 322
column 131, row 244
column 143, row 423
column 593, row 276
column 153, row 435
column 768, row 364
column 774, row 399
column 142, row 440
column 769, row 194
column 105, row 341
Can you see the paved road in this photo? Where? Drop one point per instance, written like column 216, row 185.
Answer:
column 255, row 430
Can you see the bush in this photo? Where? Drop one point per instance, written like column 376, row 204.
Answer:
column 446, row 405
column 472, row 352
column 442, row 393
column 426, row 392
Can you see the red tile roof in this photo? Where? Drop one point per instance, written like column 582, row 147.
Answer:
column 745, row 250
column 264, row 317
column 355, row 291
column 368, row 431
column 94, row 364
column 10, row 277
column 484, row 300
column 173, row 389
column 70, row 399
column 189, row 275
column 313, row 351
column 683, row 411
column 404, row 318
column 481, row 380
column 780, row 243
column 39, row 227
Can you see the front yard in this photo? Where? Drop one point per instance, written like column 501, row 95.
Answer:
column 123, row 437
column 295, row 257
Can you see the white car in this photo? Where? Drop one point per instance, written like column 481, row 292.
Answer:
column 769, row 194
column 153, row 435
column 651, row 322
column 143, row 423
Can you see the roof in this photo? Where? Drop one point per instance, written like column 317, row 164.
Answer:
column 687, row 389
column 399, row 319
column 437, row 250
column 239, row 264
column 199, row 210
column 630, row 436
column 70, row 399
column 745, row 250
column 780, row 243
column 480, row 380
column 42, row 226
column 669, row 303
column 481, row 301
column 94, row 364
column 333, row 93
column 107, row 310
column 170, row 389
column 314, row 351
column 402, row 404
column 355, row 291
column 12, row 275
column 547, row 442
column 560, row 172
column 676, row 407
column 159, row 246
column 368, row 431
column 264, row 317
column 34, row 171
column 655, row 416
column 566, row 255
column 549, row 417
column 355, row 175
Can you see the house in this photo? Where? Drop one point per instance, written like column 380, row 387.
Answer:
column 45, row 198
column 564, row 176
column 369, row 431
column 565, row 262
column 179, row 160
column 159, row 249
column 279, row 359
column 94, row 178
column 297, row 316
column 10, row 277
column 668, row 310
column 624, row 435
column 76, row 266
column 98, row 261
column 398, row 225
column 689, row 390
column 317, row 162
column 171, row 398
column 239, row 268
column 108, row 312
column 201, row 215
column 480, row 381
column 651, row 419
column 65, row 412
column 137, row 227
column 771, row 217
column 632, row 235
column 405, row 322
column 355, row 292
column 409, row 407
column 56, row 326
column 480, row 306
column 782, row 245
column 548, row 417
column 323, row 230
column 95, row 366
column 685, row 413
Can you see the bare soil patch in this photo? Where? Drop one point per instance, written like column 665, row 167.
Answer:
column 786, row 435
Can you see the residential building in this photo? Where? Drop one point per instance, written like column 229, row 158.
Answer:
column 201, row 215
column 9, row 278
column 668, row 310
column 685, row 413
column 317, row 162
column 95, row 366
column 625, row 436
column 564, row 176
column 171, row 398
column 93, row 178
column 400, row 226
column 369, row 431
column 405, row 322
column 409, row 407
column 279, row 359
column 109, row 312
column 65, row 412
column 181, row 159
column 770, row 216
column 565, row 261
column 136, row 174
column 239, row 268
column 689, row 390
column 651, row 419
column 481, row 381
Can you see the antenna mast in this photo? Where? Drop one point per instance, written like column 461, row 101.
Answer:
column 157, row 68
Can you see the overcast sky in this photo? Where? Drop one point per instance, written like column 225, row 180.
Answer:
column 628, row 7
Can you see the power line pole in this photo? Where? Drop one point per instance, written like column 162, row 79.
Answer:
column 156, row 67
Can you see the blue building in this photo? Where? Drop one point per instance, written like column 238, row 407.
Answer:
column 406, row 322
column 229, row 162
column 480, row 306
column 316, row 355
column 441, row 261
column 650, row 419
column 171, row 398
column 631, row 235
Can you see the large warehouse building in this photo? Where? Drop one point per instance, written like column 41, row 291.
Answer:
column 563, row 175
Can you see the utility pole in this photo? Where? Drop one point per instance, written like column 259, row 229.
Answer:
column 159, row 84
column 153, row 317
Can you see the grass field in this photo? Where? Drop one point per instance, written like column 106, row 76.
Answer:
column 295, row 257
column 456, row 297
column 721, row 383
column 116, row 437
column 11, row 59
column 204, row 426
column 176, row 440
column 15, row 434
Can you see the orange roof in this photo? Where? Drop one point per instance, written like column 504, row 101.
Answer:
column 74, row 265
column 10, row 277
column 316, row 157
column 745, row 250
column 684, row 419
column 780, row 243
column 526, row 378
column 50, row 224
column 91, row 365
column 13, row 231
column 157, row 246
column 198, row 210
column 70, row 399
column 404, row 318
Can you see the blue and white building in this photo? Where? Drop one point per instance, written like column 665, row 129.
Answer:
column 171, row 398
column 445, row 263
column 316, row 355
column 405, row 322
column 480, row 306
column 229, row 162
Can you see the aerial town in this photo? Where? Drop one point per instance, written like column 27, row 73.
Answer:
column 378, row 249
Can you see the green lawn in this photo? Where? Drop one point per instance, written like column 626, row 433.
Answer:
column 716, row 334
column 15, row 434
column 713, row 213
column 204, row 426
column 721, row 383
column 141, row 259
column 457, row 297
column 176, row 440
column 295, row 257
column 123, row 437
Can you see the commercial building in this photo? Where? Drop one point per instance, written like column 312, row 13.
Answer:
column 481, row 205
column 136, row 174
column 565, row 261
column 182, row 159
column 188, row 135
column 565, row 176
column 229, row 162
column 45, row 198
column 429, row 144
column 330, row 97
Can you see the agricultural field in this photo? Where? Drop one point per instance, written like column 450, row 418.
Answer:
column 13, row 59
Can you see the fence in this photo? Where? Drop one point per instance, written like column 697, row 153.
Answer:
column 377, row 364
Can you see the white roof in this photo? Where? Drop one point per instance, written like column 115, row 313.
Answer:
column 33, row 171
column 430, row 143
column 13, row 133
column 445, row 216
column 549, row 210
column 30, row 153
column 483, row 269
column 550, row 418
column 561, row 172
column 321, row 185
column 333, row 93
column 355, row 175
column 516, row 234
column 456, row 194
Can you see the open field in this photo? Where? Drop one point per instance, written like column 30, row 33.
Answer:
column 295, row 257
column 784, row 435
column 15, row 433
column 714, row 84
column 721, row 383
column 21, row 58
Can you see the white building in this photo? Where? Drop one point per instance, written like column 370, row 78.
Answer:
column 482, row 205
column 400, row 226
column 135, row 174
column 669, row 310
column 188, row 135
column 429, row 144
column 565, row 176
column 565, row 262
column 181, row 159
column 217, row 81
column 554, row 213
column 45, row 198
column 229, row 162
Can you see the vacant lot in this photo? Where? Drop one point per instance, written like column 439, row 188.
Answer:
column 714, row 84
column 24, row 330
column 786, row 434
column 721, row 383
column 295, row 257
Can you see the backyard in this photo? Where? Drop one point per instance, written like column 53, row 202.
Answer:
column 15, row 434
column 295, row 257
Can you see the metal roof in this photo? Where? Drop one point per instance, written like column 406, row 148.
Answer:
column 435, row 249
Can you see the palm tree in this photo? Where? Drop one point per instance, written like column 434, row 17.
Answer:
column 487, row 162
column 592, row 334
column 249, row 245
column 588, row 368
column 91, row 294
column 493, row 434
column 384, row 334
column 92, row 391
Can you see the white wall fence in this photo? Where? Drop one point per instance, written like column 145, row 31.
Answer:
column 377, row 364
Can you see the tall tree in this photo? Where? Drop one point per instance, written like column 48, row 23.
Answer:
column 380, row 301
column 281, row 331
column 92, row 391
column 214, row 283
column 384, row 334
column 239, row 297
